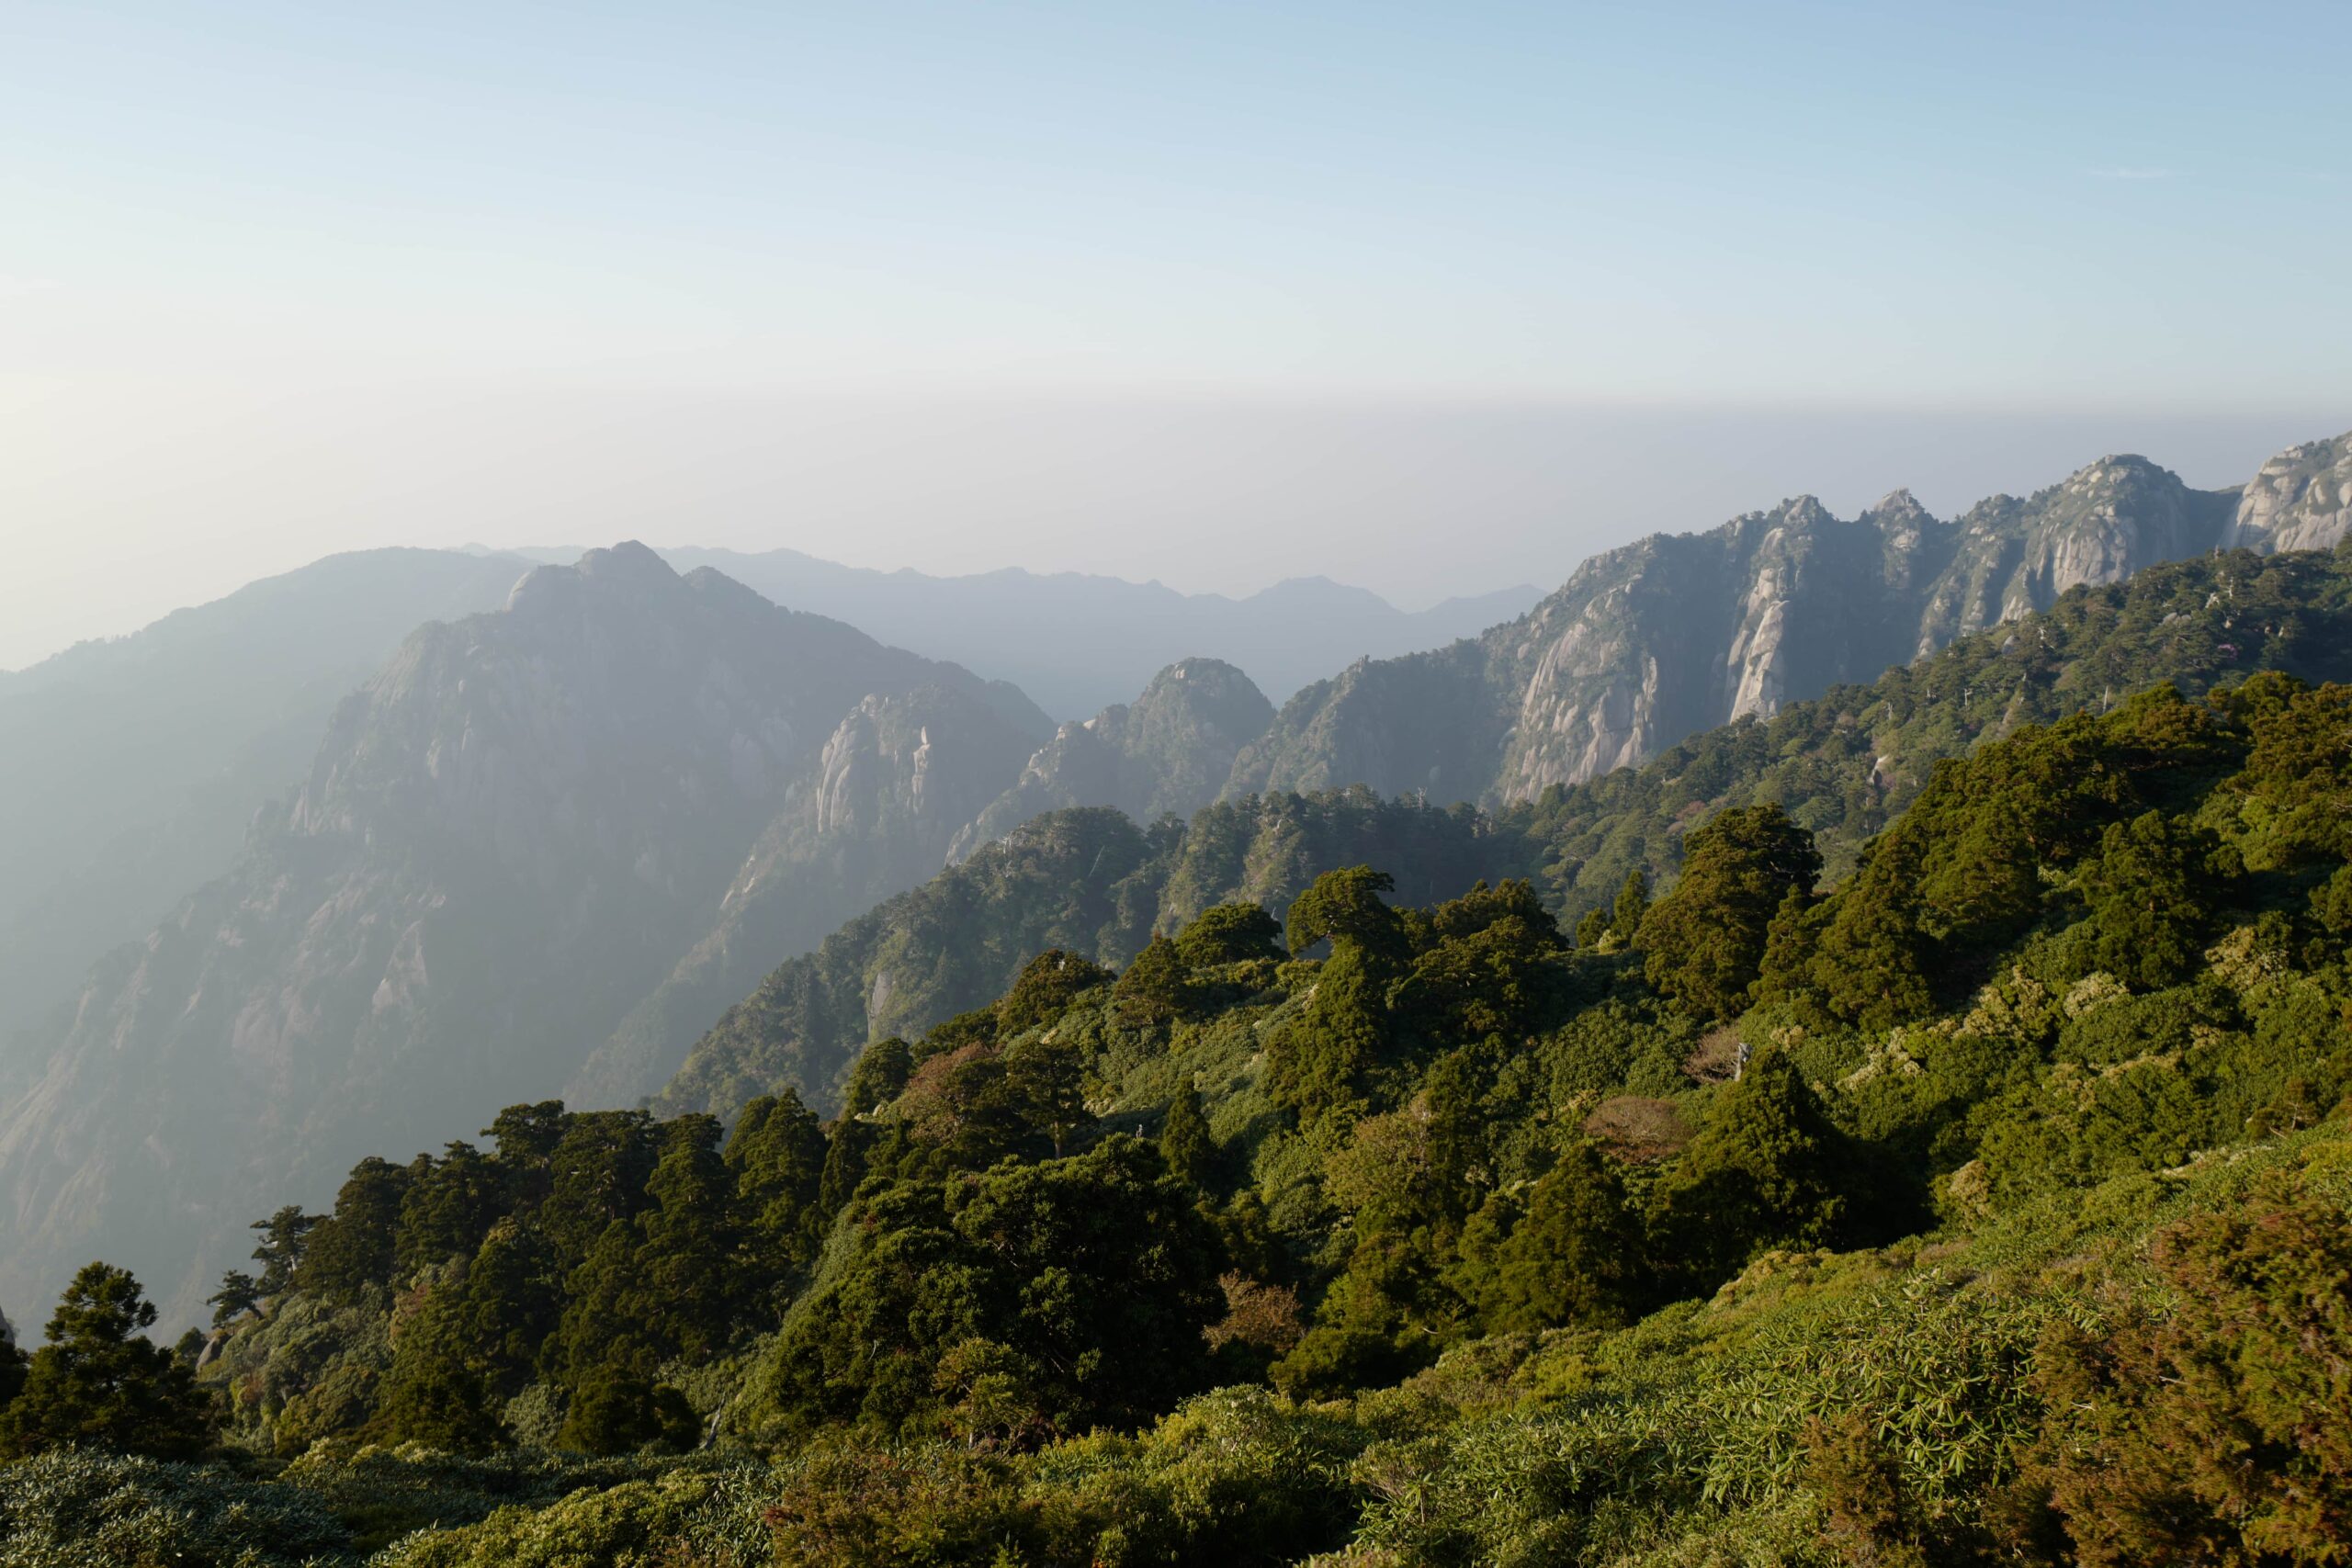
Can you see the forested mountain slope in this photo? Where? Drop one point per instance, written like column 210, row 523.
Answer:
column 130, row 768
column 1843, row 766
column 1669, row 637
column 1990, row 1206
column 506, row 840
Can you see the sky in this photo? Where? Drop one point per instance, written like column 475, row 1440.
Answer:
column 1430, row 298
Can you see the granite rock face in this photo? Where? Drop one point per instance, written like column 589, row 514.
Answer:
column 2300, row 501
column 1677, row 633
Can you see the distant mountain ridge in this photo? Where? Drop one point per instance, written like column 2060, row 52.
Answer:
column 131, row 768
column 504, row 842
column 1077, row 643
column 1677, row 633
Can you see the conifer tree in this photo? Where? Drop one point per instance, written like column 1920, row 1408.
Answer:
column 1157, row 987
column 1633, row 903
column 238, row 1295
column 1185, row 1140
column 776, row 1158
column 285, row 1235
column 1769, row 1169
column 100, row 1382
column 1323, row 1060
column 450, row 1205
column 432, row 1396
column 1573, row 1258
column 353, row 1248
column 1704, row 942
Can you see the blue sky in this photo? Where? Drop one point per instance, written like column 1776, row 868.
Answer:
column 253, row 256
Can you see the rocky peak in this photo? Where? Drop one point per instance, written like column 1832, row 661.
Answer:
column 1169, row 750
column 2300, row 501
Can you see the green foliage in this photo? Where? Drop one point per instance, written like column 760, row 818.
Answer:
column 283, row 1236
column 2083, row 1008
column 1768, row 1170
column 616, row 1412
column 1158, row 985
column 776, row 1157
column 1704, row 942
column 1229, row 933
column 1569, row 1255
column 1185, row 1142
column 1093, row 1275
column 2221, row 1431
column 355, row 1247
column 98, row 1382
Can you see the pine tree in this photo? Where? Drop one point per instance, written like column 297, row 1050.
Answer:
column 1770, row 1168
column 353, row 1248
column 432, row 1396
column 1229, row 933
column 1157, row 987
column 1704, row 942
column 100, row 1382
column 238, row 1295
column 776, row 1158
column 616, row 1412
column 1633, row 903
column 450, row 1206
column 1323, row 1061
column 1572, row 1259
column 285, row 1235
column 1185, row 1140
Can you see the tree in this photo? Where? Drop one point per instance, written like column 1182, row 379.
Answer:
column 595, row 1175
column 285, row 1235
column 616, row 1412
column 432, row 1396
column 1100, row 1268
column 99, row 1381
column 1868, row 959
column 776, row 1157
column 450, row 1205
column 1770, row 1168
column 12, row 1367
column 1185, row 1140
column 1045, row 988
column 880, row 1076
column 1573, row 1258
column 2149, row 893
column 1704, row 942
column 1229, row 933
column 1158, row 985
column 1323, row 1061
column 1633, row 903
column 353, row 1246
column 237, row 1296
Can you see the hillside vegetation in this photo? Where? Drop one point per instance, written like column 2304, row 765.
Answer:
column 1988, row 1204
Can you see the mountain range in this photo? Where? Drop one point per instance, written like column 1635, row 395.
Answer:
column 1667, row 636
column 1078, row 643
column 547, row 847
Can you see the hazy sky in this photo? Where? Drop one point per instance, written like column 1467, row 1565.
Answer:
column 1431, row 297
